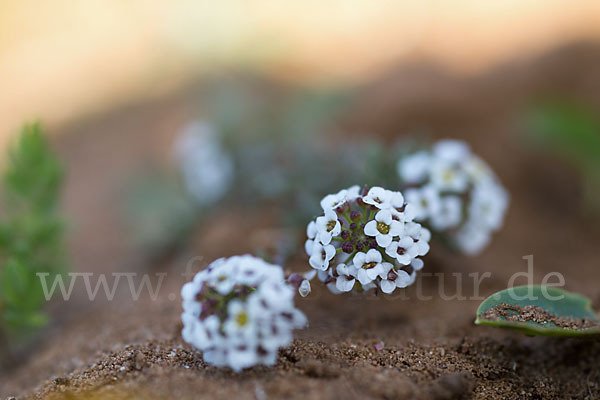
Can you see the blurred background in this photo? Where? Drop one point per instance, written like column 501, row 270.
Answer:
column 62, row 61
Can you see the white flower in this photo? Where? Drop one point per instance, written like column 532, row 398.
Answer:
column 488, row 205
column 244, row 323
column 333, row 201
column 328, row 226
column 478, row 170
column 401, row 250
column 446, row 176
column 345, row 280
column 392, row 278
column 449, row 214
column 353, row 193
column 379, row 197
column 425, row 200
column 383, row 228
column 321, row 255
column 368, row 266
column 414, row 168
column 387, row 283
column 206, row 168
column 450, row 150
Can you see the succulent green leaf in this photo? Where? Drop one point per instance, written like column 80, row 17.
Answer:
column 539, row 311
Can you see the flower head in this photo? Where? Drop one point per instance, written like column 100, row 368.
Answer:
column 206, row 168
column 455, row 193
column 239, row 311
column 350, row 245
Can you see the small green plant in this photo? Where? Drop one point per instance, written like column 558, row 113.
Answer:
column 572, row 131
column 539, row 311
column 31, row 233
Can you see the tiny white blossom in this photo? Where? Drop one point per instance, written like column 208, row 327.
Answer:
column 378, row 197
column 333, row 201
column 425, row 200
column 321, row 255
column 345, row 280
column 448, row 177
column 449, row 213
column 401, row 250
column 451, row 150
column 328, row 226
column 368, row 266
column 414, row 168
column 383, row 228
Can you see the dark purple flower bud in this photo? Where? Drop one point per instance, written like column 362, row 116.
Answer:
column 365, row 191
column 348, row 248
column 373, row 244
column 360, row 245
column 295, row 279
column 355, row 215
column 340, row 209
column 345, row 235
column 360, row 202
column 353, row 226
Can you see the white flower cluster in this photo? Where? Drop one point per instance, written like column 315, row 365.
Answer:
column 366, row 239
column 239, row 311
column 455, row 193
column 206, row 168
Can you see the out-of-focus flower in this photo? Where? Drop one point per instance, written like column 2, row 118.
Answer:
column 239, row 311
column 455, row 193
column 206, row 167
column 366, row 240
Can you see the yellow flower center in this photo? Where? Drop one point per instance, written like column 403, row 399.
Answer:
column 241, row 319
column 448, row 175
column 369, row 265
column 383, row 228
column 331, row 225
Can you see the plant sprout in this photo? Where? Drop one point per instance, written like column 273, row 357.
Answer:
column 31, row 232
column 239, row 311
column 539, row 311
column 455, row 194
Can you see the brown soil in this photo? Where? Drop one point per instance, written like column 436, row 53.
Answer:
column 514, row 313
column 356, row 347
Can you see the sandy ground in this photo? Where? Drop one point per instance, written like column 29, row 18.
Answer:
column 355, row 347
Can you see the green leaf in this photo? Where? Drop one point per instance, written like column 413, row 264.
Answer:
column 539, row 311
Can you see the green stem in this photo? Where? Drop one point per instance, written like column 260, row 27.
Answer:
column 350, row 257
